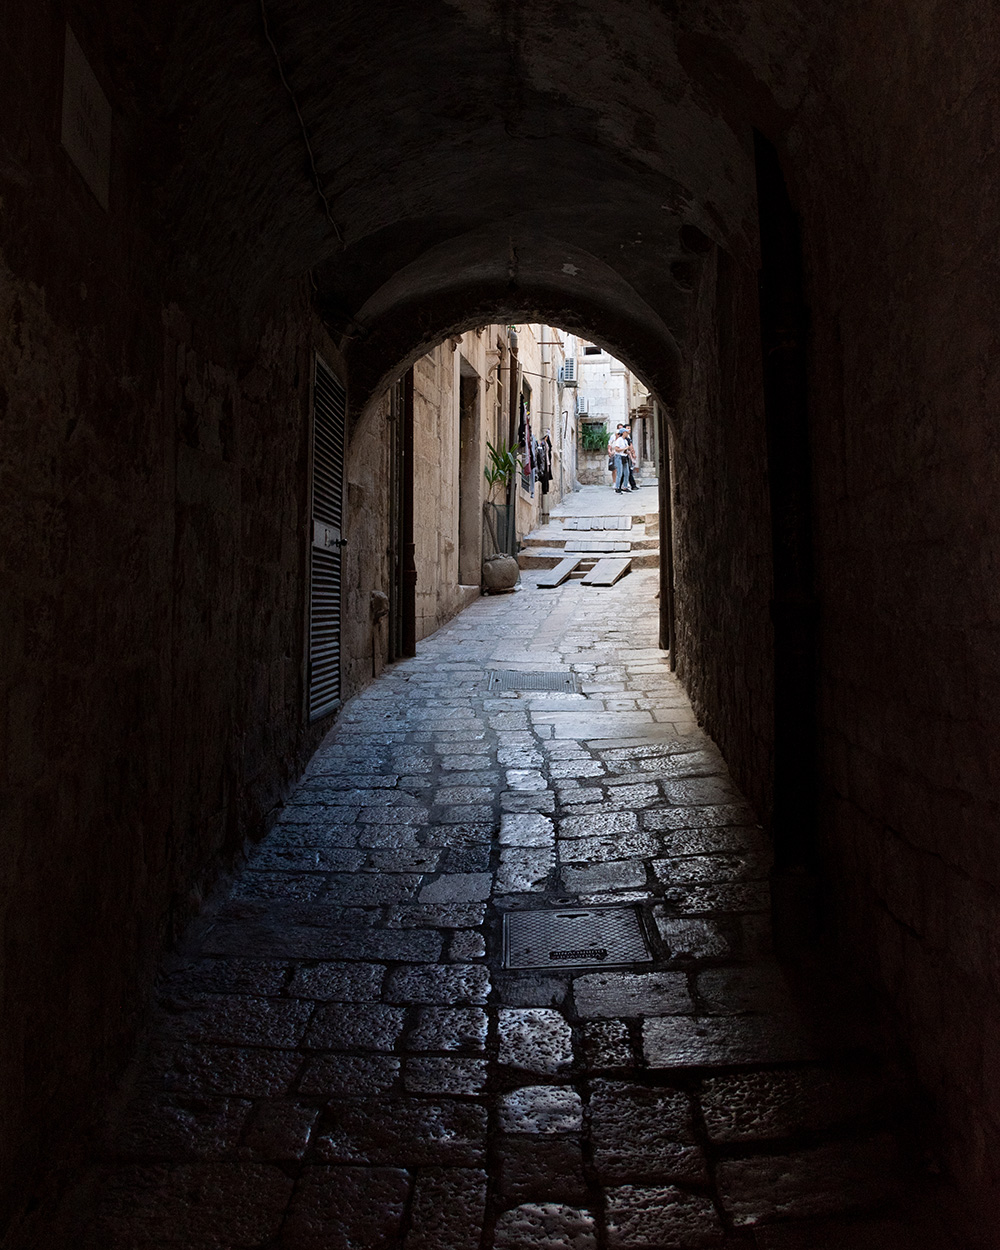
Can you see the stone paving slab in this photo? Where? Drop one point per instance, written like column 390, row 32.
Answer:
column 607, row 572
column 596, row 545
column 598, row 523
column 556, row 576
column 591, row 501
column 339, row 1059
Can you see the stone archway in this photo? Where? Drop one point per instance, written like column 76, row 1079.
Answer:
column 354, row 182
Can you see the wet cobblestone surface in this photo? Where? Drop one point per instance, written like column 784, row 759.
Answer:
column 339, row 1060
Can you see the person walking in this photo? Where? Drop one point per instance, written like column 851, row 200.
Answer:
column 633, row 459
column 618, row 451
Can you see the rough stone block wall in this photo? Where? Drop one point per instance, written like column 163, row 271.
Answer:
column 901, row 238
column 153, row 701
column 153, row 502
column 722, row 543
column 153, row 487
column 593, row 470
column 438, row 459
column 364, row 645
column 435, row 476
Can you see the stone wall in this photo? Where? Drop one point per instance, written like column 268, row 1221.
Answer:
column 440, row 451
column 592, row 469
column 722, row 541
column 154, row 363
column 440, row 594
column 900, row 233
column 364, row 644
column 532, row 504
column 153, row 503
column 155, row 495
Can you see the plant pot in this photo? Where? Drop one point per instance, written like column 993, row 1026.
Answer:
column 500, row 573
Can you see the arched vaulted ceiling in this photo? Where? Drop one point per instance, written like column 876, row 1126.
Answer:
column 437, row 162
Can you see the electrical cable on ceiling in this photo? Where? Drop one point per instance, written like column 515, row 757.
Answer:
column 302, row 126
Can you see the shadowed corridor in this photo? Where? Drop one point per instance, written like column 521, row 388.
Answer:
column 339, row 1058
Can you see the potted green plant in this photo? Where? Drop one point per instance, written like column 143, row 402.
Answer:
column 593, row 437
column 500, row 568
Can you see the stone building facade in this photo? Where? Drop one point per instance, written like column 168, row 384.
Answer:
column 607, row 392
column 538, row 398
column 467, row 393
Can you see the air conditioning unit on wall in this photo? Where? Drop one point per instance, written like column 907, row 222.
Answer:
column 582, row 405
column 567, row 374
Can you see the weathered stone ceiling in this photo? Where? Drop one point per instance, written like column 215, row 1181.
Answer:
column 478, row 153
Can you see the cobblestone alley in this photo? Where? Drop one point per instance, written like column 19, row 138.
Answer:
column 340, row 1059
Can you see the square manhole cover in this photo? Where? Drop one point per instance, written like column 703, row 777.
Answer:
column 574, row 937
column 512, row 679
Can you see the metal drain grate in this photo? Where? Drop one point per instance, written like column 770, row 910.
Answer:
column 576, row 937
column 511, row 679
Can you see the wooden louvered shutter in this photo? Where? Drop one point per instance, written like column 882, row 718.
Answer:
column 329, row 412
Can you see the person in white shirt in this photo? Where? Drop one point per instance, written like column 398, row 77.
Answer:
column 618, row 450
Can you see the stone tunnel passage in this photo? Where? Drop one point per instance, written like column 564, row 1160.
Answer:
column 339, row 1059
column 260, row 182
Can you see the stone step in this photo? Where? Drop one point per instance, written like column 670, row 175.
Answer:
column 550, row 557
column 540, row 557
column 587, row 563
column 578, row 542
column 563, row 570
column 555, row 532
column 605, row 546
column 597, row 523
column 594, row 542
column 607, row 572
column 628, row 518
column 548, row 542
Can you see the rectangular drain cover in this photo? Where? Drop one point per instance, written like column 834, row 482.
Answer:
column 574, row 937
column 512, row 679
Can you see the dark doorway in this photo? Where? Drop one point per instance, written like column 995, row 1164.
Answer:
column 470, row 483
column 784, row 345
column 402, row 565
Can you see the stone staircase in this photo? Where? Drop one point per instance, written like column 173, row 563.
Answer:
column 593, row 538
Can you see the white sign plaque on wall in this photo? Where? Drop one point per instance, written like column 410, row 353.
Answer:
column 86, row 120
